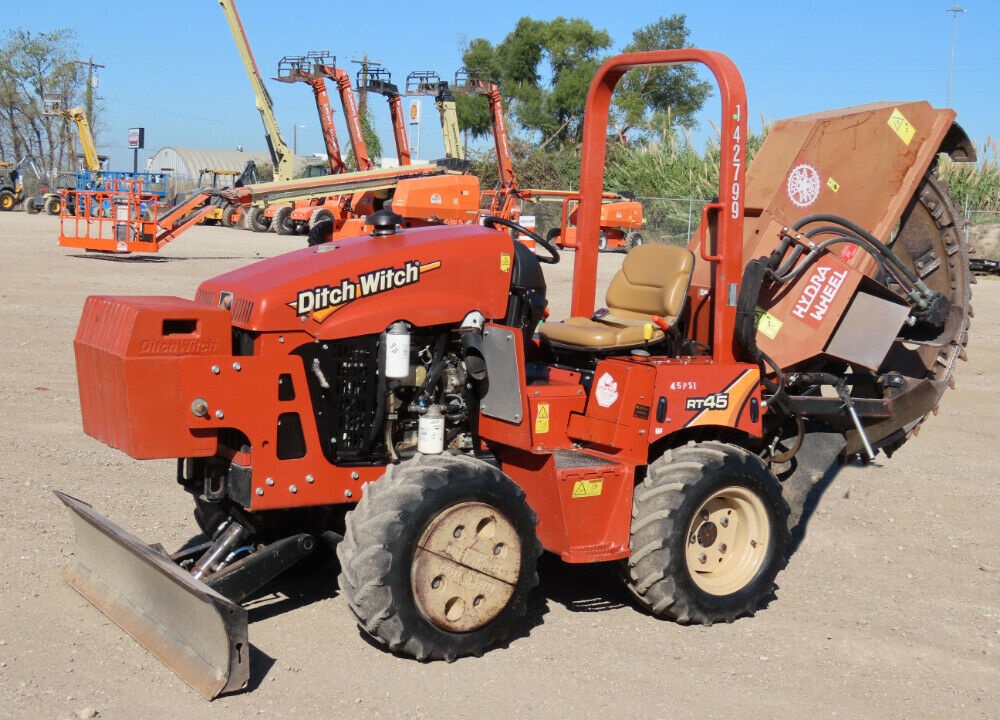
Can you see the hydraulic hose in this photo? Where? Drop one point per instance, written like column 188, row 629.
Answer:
column 871, row 243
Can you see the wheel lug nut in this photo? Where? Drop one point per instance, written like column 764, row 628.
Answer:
column 724, row 522
column 703, row 558
column 722, row 548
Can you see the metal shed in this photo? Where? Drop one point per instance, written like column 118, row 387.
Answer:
column 184, row 163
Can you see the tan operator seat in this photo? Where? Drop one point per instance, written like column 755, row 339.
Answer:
column 653, row 280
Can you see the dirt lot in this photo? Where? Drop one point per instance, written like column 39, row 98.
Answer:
column 890, row 607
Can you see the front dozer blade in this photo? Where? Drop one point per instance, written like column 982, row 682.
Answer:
column 192, row 629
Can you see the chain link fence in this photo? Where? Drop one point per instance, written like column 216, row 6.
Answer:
column 983, row 217
column 665, row 221
column 982, row 233
column 670, row 221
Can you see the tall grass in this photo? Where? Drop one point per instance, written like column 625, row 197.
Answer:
column 666, row 164
column 976, row 186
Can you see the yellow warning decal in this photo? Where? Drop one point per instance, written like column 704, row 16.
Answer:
column 542, row 419
column 833, row 184
column 588, row 488
column 767, row 324
column 901, row 126
column 505, row 262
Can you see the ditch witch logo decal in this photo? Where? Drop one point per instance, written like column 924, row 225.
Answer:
column 323, row 301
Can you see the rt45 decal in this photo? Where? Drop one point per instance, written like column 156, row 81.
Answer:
column 718, row 401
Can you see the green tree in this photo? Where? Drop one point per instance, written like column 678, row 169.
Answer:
column 544, row 69
column 373, row 144
column 647, row 98
column 479, row 57
column 34, row 69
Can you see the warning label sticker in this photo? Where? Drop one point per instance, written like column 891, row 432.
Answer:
column 542, row 419
column 607, row 390
column 588, row 488
column 901, row 126
column 767, row 324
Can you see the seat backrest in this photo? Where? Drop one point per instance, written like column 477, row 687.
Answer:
column 653, row 280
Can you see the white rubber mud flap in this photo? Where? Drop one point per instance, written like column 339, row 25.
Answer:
column 192, row 629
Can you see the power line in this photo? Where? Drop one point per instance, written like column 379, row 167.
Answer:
column 89, row 97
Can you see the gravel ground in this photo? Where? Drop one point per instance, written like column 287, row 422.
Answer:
column 889, row 608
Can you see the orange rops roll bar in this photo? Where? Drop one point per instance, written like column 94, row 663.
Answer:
column 728, row 254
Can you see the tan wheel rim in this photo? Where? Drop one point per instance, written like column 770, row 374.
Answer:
column 727, row 541
column 466, row 567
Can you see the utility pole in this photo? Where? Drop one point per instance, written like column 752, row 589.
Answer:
column 954, row 32
column 362, row 93
column 89, row 97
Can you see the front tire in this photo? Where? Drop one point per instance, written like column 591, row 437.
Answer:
column 709, row 534
column 439, row 557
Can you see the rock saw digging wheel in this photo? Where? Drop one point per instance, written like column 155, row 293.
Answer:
column 709, row 534
column 439, row 556
column 929, row 241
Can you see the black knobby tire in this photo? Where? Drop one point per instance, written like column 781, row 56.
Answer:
column 417, row 601
column 282, row 221
column 632, row 240
column 319, row 216
column 31, row 207
column 259, row 222
column 7, row 200
column 709, row 534
column 602, row 242
column 247, row 219
column 320, row 233
column 53, row 206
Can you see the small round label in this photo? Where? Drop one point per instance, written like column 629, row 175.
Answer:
column 803, row 185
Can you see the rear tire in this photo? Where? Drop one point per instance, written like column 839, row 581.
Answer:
column 281, row 221
column 439, row 557
column 709, row 534
column 602, row 242
column 6, row 200
column 319, row 216
column 633, row 240
column 259, row 222
column 53, row 205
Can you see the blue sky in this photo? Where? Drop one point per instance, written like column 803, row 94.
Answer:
column 172, row 66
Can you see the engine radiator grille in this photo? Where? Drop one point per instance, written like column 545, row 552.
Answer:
column 343, row 381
